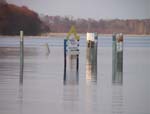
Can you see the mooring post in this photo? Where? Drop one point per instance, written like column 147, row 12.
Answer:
column 78, row 59
column 65, row 62
column 71, row 57
column 71, row 61
column 120, row 52
column 114, row 57
column 21, row 56
column 91, row 56
column 117, row 58
column 65, row 50
column 96, row 46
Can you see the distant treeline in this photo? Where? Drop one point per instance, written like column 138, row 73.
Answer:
column 14, row 18
column 62, row 24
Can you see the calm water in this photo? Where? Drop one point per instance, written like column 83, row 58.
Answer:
column 43, row 90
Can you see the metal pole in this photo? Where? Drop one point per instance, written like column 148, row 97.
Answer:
column 21, row 56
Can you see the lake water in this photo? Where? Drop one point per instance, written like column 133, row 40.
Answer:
column 44, row 90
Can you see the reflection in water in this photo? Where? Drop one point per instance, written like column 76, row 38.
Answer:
column 117, row 78
column 117, row 94
column 71, row 73
column 20, row 90
column 117, row 100
column 21, row 74
column 70, row 91
column 91, row 97
column 91, row 78
column 91, row 64
column 20, row 97
column 71, row 98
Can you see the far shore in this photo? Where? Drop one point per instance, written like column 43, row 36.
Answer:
column 63, row 35
column 83, row 34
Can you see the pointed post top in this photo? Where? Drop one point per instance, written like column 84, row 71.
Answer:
column 74, row 32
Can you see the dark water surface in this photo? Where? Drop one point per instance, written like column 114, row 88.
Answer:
column 43, row 90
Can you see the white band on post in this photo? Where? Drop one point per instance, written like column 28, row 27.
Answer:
column 21, row 35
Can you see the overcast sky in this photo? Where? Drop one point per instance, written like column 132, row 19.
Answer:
column 106, row 9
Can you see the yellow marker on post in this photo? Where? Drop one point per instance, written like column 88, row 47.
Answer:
column 74, row 32
column 72, row 43
column 71, row 56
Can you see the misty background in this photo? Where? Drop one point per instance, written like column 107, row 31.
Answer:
column 38, row 17
column 97, row 9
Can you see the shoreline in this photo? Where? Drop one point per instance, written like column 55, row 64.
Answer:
column 82, row 34
column 63, row 35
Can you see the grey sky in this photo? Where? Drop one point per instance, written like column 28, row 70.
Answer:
column 106, row 9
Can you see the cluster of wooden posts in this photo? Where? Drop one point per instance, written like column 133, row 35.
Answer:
column 71, row 58
column 91, row 59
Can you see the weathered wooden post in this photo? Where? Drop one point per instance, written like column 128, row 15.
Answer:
column 91, row 56
column 65, row 62
column 78, row 56
column 71, row 57
column 117, row 58
column 21, row 56
column 114, row 57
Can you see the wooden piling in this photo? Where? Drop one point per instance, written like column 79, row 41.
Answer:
column 114, row 57
column 117, row 58
column 78, row 59
column 21, row 56
column 91, row 56
column 65, row 62
column 71, row 64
